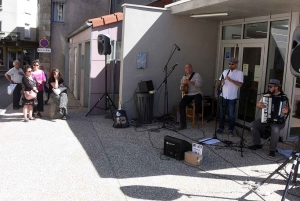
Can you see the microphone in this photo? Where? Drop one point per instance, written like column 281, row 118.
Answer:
column 177, row 47
column 174, row 66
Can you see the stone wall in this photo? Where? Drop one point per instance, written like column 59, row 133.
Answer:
column 44, row 31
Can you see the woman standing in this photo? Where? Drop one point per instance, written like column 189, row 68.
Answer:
column 55, row 81
column 41, row 79
column 29, row 83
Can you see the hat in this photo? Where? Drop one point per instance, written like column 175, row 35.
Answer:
column 275, row 82
column 233, row 60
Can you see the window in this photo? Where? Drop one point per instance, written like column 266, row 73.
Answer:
column 256, row 30
column 58, row 11
column 232, row 32
column 277, row 50
column 27, row 31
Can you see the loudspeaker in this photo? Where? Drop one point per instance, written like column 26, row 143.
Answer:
column 295, row 58
column 104, row 46
column 145, row 86
column 175, row 148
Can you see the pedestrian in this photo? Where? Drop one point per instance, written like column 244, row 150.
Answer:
column 29, row 84
column 41, row 79
column 46, row 88
column 14, row 76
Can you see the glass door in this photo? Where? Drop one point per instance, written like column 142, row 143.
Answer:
column 229, row 50
column 252, row 65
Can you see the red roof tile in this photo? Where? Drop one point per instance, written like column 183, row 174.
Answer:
column 106, row 19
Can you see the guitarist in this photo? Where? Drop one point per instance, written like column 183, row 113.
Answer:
column 190, row 84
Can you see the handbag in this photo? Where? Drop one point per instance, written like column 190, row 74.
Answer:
column 59, row 90
column 29, row 95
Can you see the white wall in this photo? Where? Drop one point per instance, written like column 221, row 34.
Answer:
column 154, row 31
column 14, row 15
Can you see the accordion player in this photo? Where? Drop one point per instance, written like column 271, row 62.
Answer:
column 272, row 113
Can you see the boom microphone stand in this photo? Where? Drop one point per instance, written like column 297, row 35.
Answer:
column 166, row 94
column 165, row 81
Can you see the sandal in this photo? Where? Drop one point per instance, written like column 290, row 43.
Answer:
column 31, row 118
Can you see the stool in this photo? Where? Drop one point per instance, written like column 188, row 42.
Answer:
column 54, row 110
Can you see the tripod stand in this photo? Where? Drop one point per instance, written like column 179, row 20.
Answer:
column 108, row 102
column 219, row 91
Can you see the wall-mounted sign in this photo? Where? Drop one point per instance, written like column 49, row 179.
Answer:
column 245, row 69
column 15, row 49
column 227, row 55
column 44, row 43
column 44, row 50
column 142, row 60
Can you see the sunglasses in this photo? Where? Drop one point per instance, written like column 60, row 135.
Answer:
column 29, row 71
column 35, row 65
column 231, row 64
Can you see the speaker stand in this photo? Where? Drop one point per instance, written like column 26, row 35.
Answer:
column 106, row 95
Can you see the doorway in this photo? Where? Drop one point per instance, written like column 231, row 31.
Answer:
column 251, row 62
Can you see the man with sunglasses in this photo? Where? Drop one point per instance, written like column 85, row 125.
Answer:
column 274, row 89
column 14, row 76
column 231, row 79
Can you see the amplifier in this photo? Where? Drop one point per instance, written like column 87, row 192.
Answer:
column 145, row 86
column 175, row 148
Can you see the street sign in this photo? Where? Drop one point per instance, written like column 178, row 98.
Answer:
column 44, row 43
column 44, row 50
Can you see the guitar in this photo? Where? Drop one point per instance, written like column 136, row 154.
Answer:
column 186, row 86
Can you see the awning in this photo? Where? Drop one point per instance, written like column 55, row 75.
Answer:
column 237, row 8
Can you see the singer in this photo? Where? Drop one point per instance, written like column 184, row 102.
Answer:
column 274, row 89
column 189, row 85
column 233, row 79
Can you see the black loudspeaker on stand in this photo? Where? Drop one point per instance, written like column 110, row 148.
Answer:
column 104, row 48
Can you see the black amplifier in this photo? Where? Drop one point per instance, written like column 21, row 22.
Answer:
column 175, row 148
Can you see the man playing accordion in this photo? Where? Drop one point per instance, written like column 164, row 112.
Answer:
column 274, row 89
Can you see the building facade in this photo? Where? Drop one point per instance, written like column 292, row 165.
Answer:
column 57, row 18
column 258, row 33
column 18, row 36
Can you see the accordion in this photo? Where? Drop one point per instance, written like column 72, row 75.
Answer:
column 272, row 113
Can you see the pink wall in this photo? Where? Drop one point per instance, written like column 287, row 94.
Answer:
column 97, row 74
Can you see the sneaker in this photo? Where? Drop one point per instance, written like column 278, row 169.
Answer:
column 64, row 118
column 220, row 131
column 255, row 147
column 182, row 127
column 272, row 154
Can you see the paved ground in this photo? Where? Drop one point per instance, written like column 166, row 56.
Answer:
column 85, row 158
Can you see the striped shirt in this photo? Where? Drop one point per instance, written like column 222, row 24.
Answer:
column 14, row 74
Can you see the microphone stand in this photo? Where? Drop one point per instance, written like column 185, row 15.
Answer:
column 219, row 91
column 166, row 100
column 167, row 74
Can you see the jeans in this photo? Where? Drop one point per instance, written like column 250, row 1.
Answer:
column 17, row 96
column 187, row 100
column 275, row 131
column 224, row 104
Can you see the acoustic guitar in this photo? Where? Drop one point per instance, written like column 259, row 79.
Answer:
column 186, row 86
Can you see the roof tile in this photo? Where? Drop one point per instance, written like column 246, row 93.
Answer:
column 106, row 19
